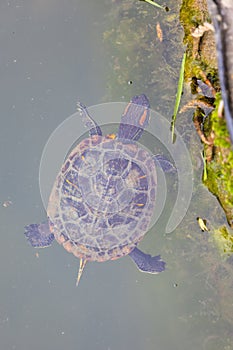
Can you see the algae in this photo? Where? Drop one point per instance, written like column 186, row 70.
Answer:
column 224, row 241
column 143, row 60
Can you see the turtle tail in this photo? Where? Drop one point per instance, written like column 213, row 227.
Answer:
column 82, row 264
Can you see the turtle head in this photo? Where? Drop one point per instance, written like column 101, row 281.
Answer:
column 141, row 100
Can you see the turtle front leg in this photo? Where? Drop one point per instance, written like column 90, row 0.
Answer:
column 88, row 121
column 146, row 262
column 39, row 235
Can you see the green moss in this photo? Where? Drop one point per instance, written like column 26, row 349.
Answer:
column 220, row 169
column 219, row 127
column 192, row 14
column 224, row 241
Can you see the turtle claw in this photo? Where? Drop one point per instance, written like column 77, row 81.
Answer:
column 39, row 235
column 146, row 262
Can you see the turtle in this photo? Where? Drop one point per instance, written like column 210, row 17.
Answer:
column 103, row 198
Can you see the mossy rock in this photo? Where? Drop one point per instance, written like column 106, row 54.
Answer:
column 201, row 61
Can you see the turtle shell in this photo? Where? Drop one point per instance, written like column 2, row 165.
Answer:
column 103, row 198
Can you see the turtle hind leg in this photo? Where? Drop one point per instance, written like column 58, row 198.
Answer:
column 39, row 235
column 146, row 262
column 164, row 163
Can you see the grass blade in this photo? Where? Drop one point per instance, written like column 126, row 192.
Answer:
column 178, row 97
column 154, row 3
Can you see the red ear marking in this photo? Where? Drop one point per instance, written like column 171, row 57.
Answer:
column 143, row 118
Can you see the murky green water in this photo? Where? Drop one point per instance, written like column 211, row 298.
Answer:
column 53, row 54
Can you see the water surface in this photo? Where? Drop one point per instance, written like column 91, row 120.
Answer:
column 53, row 54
